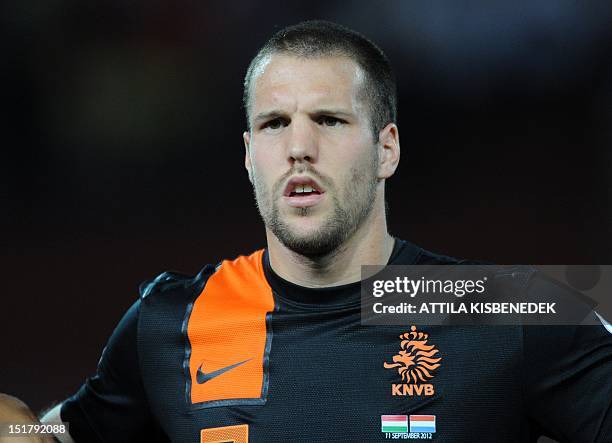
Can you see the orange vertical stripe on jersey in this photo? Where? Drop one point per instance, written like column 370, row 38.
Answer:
column 227, row 326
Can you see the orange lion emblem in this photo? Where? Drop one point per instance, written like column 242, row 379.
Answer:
column 415, row 360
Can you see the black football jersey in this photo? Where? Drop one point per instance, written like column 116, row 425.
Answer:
column 237, row 354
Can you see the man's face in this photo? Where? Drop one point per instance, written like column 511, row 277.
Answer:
column 310, row 152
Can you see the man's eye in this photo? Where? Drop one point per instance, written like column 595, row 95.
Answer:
column 329, row 121
column 277, row 123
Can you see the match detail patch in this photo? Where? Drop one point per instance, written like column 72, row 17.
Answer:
column 225, row 434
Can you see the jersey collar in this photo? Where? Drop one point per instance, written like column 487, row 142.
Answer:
column 404, row 253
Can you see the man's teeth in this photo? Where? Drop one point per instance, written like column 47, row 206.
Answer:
column 306, row 188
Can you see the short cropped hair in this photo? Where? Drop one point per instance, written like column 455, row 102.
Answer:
column 318, row 38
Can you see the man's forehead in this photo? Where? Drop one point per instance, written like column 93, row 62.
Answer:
column 326, row 80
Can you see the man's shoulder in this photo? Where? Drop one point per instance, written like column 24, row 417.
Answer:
column 426, row 257
column 528, row 282
column 515, row 275
column 173, row 281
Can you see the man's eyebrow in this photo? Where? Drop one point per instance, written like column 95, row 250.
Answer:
column 331, row 111
column 275, row 113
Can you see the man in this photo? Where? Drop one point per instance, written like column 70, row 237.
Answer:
column 270, row 347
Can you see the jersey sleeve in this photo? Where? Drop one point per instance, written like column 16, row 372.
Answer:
column 567, row 377
column 111, row 406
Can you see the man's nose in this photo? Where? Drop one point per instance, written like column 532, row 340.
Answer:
column 303, row 143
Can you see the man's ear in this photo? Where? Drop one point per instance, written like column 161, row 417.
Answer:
column 246, row 137
column 389, row 151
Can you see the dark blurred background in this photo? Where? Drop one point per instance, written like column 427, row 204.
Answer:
column 122, row 153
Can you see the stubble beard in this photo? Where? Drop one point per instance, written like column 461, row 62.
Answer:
column 359, row 198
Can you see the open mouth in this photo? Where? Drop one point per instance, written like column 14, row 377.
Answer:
column 303, row 192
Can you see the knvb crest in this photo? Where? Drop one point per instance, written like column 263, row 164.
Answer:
column 415, row 363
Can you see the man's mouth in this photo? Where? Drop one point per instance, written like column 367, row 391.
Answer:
column 302, row 192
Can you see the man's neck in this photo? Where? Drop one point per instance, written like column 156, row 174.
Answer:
column 367, row 246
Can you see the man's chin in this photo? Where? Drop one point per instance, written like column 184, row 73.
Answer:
column 310, row 240
column 309, row 246
column 304, row 226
